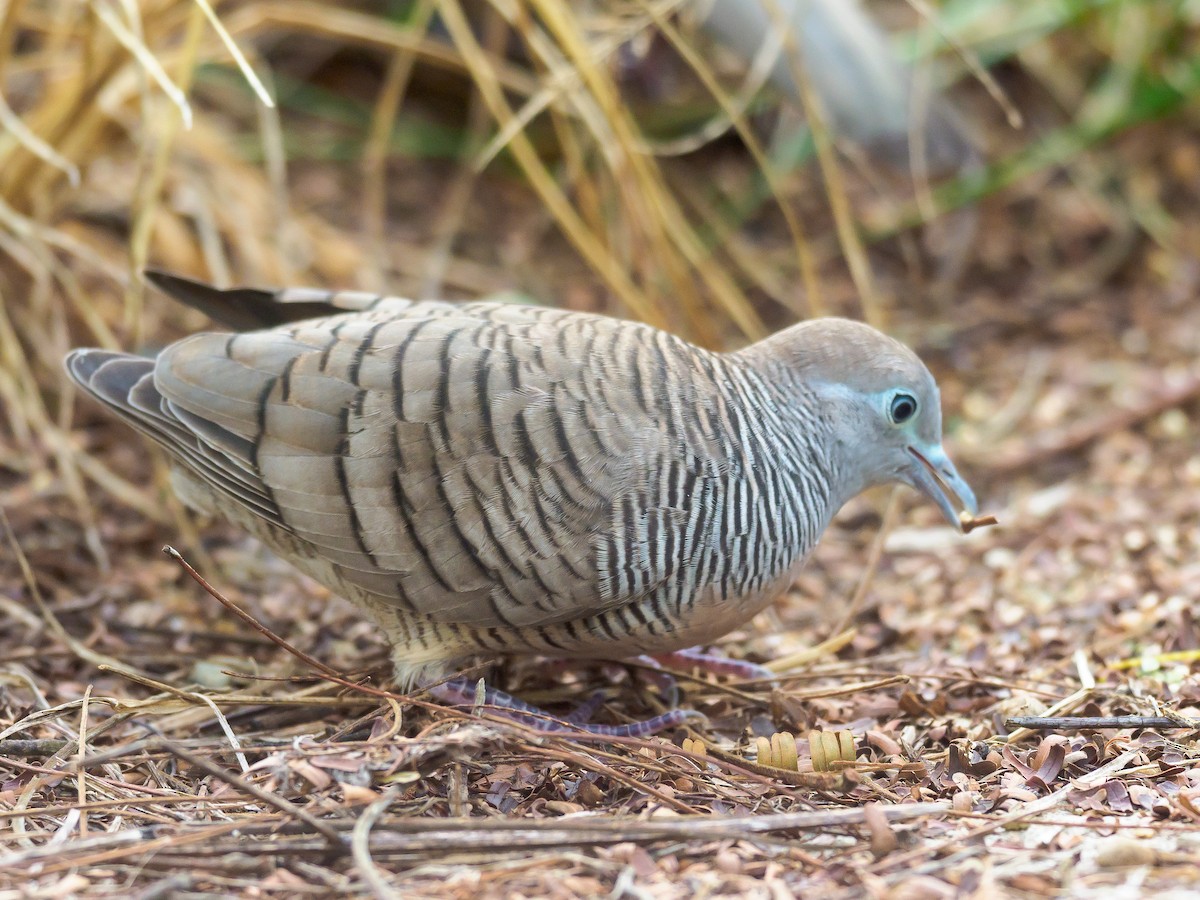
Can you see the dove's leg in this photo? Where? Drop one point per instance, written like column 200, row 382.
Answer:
column 460, row 692
column 695, row 660
column 688, row 660
column 582, row 714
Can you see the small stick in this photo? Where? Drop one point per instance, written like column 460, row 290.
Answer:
column 80, row 771
column 868, row 576
column 249, row 619
column 18, row 747
column 1050, row 723
column 969, row 523
column 360, row 845
column 336, row 843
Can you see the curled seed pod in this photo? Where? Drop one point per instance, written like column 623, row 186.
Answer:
column 764, row 751
column 779, row 752
column 784, row 745
column 828, row 748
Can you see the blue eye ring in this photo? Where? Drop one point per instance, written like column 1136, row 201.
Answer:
column 902, row 408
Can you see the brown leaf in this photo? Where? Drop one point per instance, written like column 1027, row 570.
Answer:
column 1117, row 796
column 883, row 838
column 1051, row 765
column 310, row 773
column 357, row 795
column 348, row 763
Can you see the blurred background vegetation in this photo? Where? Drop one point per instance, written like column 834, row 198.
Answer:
column 719, row 168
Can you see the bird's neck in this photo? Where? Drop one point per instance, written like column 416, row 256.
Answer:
column 786, row 467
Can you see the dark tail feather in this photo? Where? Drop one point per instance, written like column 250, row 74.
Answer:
column 115, row 378
column 246, row 309
column 106, row 375
column 125, row 384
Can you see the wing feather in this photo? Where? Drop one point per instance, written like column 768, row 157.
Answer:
column 471, row 462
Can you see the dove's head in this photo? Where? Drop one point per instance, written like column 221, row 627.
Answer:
column 881, row 405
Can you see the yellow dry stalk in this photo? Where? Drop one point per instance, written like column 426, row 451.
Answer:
column 823, row 651
column 488, row 84
column 152, row 177
column 835, row 187
column 576, row 75
column 96, row 65
column 65, row 118
column 829, row 748
column 654, row 225
column 362, row 29
column 96, row 80
column 735, row 110
column 102, row 78
column 779, row 752
column 446, row 224
column 666, row 225
column 375, row 152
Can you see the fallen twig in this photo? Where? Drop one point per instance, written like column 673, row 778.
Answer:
column 336, row 843
column 406, row 836
column 249, row 619
column 25, row 749
column 1052, row 723
column 969, row 523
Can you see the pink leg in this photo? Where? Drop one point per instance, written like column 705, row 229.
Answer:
column 583, row 713
column 687, row 660
column 692, row 660
column 460, row 692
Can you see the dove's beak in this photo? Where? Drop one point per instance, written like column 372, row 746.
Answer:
column 933, row 474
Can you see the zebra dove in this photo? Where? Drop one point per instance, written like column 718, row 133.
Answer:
column 488, row 478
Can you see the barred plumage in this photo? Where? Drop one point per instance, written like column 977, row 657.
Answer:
column 492, row 478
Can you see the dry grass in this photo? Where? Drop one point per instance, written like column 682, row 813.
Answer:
column 153, row 744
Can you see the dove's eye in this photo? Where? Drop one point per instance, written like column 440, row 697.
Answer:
column 902, row 408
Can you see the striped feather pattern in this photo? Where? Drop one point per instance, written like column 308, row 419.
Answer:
column 488, row 476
